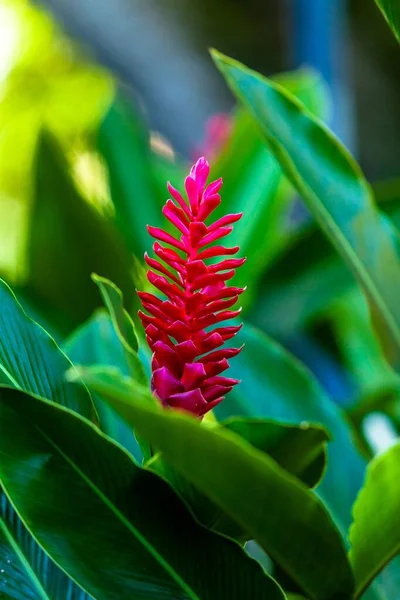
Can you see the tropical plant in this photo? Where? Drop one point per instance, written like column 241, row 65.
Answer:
column 132, row 466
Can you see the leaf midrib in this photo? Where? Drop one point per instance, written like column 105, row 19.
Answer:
column 117, row 513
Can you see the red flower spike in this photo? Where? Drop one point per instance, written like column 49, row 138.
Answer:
column 188, row 356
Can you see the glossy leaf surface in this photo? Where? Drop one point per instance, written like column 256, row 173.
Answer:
column 26, row 572
column 118, row 530
column 277, row 386
column 30, row 359
column 299, row 450
column 249, row 486
column 333, row 186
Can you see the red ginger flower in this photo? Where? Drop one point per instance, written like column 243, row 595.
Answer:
column 186, row 364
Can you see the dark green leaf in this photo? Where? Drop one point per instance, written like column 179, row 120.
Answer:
column 299, row 450
column 96, row 342
column 391, row 11
column 68, row 240
column 30, row 359
column 26, row 572
column 277, row 510
column 276, row 386
column 375, row 532
column 123, row 325
column 118, row 530
column 335, row 191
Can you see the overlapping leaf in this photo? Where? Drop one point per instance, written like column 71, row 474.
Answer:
column 334, row 189
column 26, row 572
column 30, row 359
column 96, row 342
column 276, row 386
column 299, row 450
column 118, row 530
column 278, row 511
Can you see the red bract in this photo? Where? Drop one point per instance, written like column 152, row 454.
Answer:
column 188, row 357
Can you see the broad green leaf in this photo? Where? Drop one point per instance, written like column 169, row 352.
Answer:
column 123, row 143
column 333, row 187
column 299, row 450
column 391, row 11
column 118, row 530
column 68, row 240
column 276, row 386
column 27, row 573
column 30, row 360
column 375, row 532
column 96, row 342
column 276, row 509
column 123, row 325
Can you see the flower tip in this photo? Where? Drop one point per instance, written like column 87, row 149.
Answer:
column 200, row 170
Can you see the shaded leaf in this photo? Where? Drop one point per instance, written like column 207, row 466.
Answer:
column 96, row 342
column 123, row 325
column 68, row 240
column 299, row 450
column 30, row 359
column 391, row 11
column 277, row 386
column 249, row 486
column 89, row 494
column 27, row 573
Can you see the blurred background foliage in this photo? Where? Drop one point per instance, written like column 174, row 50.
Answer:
column 95, row 118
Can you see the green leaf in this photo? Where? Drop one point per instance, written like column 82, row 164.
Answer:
column 375, row 532
column 27, row 573
column 118, row 530
column 333, row 187
column 96, row 342
column 308, row 277
column 123, row 325
column 68, row 240
column 299, row 450
column 276, row 386
column 249, row 486
column 360, row 350
column 391, row 11
column 30, row 359
column 254, row 184
column 123, row 143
